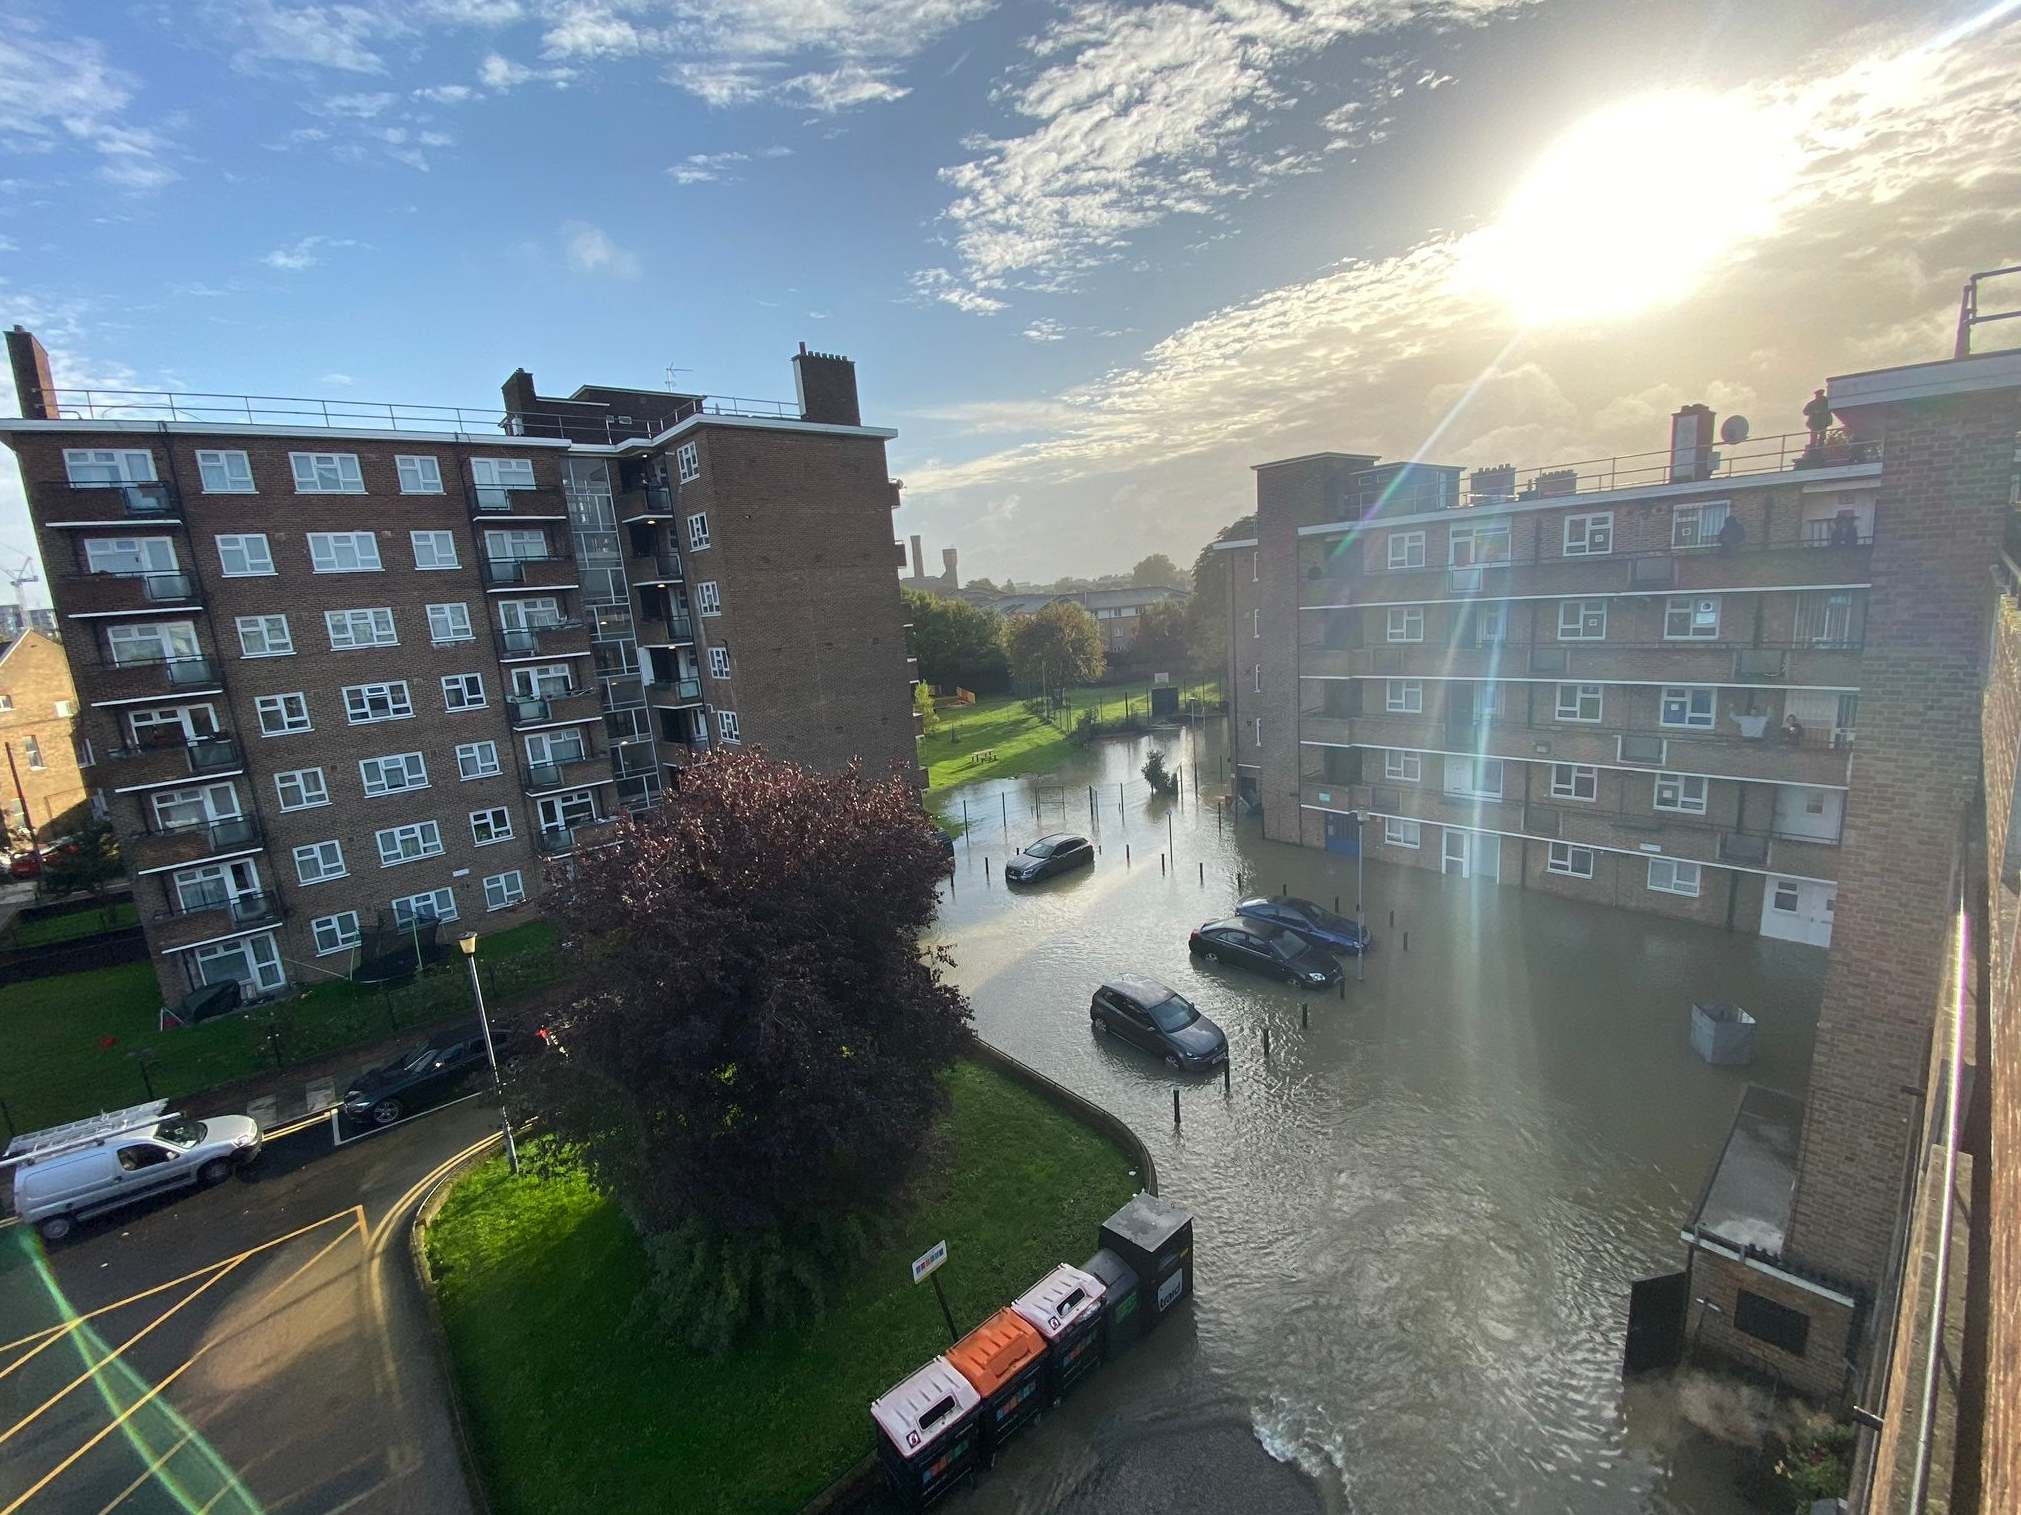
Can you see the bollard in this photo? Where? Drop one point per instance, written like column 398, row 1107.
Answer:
column 1217, row 817
column 1336, row 904
column 964, row 820
column 1343, row 986
column 985, row 870
column 1406, row 941
column 1203, row 875
column 1003, row 803
column 1161, row 865
column 1224, row 1077
column 1119, row 799
column 1305, row 1016
column 1168, row 832
column 1091, row 804
column 1175, row 1109
column 1392, row 920
column 1266, row 1044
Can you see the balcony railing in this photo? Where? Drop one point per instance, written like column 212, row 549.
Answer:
column 536, row 710
column 520, row 640
column 675, row 692
column 554, row 772
column 664, row 630
column 110, row 591
column 507, row 573
column 538, row 503
column 651, row 502
column 253, row 908
column 149, row 675
column 623, row 691
column 212, row 754
column 151, row 500
column 657, row 568
column 556, row 840
column 632, row 759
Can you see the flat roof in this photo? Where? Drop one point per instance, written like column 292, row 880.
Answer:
column 1370, row 458
column 1752, row 1190
column 1978, row 374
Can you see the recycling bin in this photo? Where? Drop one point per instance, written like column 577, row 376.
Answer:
column 1155, row 1237
column 1122, row 1317
column 1722, row 1034
column 929, row 1433
column 1005, row 1360
column 1065, row 1307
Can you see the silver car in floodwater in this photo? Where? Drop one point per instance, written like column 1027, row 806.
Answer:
column 73, row 1172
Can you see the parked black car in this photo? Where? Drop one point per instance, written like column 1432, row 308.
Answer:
column 1317, row 924
column 421, row 1075
column 1267, row 948
column 1049, row 855
column 1144, row 1011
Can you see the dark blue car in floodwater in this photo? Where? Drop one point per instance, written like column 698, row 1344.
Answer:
column 1314, row 923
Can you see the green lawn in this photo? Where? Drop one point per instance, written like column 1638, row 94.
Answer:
column 1023, row 743
column 71, row 1039
column 89, row 921
column 576, row 1408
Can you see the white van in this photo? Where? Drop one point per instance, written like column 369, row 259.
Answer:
column 73, row 1172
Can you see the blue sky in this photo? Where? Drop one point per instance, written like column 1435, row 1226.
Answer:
column 1093, row 259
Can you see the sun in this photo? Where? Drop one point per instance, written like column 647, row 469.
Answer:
column 1633, row 206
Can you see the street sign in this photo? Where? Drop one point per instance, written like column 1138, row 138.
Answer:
column 927, row 1261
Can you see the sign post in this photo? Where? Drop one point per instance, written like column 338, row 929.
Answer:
column 927, row 1265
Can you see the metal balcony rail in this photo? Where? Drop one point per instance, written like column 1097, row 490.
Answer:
column 623, row 692
column 213, row 754
column 184, row 672
column 225, row 831
column 633, row 759
column 499, row 499
column 645, row 500
column 136, row 500
column 658, row 566
column 677, row 628
column 530, row 638
column 678, row 688
column 252, row 908
column 528, row 709
column 1514, row 649
column 1763, row 728
column 507, row 572
column 156, row 587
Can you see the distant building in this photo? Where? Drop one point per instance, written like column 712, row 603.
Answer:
column 41, row 785
column 1115, row 610
column 946, row 582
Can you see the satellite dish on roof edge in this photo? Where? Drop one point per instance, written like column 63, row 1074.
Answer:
column 1733, row 430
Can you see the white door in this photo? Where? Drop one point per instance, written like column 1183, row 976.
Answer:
column 1457, row 857
column 1798, row 910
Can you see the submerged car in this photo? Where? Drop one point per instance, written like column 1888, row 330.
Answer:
column 1267, row 948
column 421, row 1075
column 1315, row 923
column 1144, row 1011
column 1049, row 855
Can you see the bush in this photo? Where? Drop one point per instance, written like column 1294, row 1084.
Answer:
column 1816, row 1462
column 1161, row 779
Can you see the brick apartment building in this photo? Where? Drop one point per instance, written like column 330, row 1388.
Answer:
column 1773, row 685
column 41, row 786
column 344, row 668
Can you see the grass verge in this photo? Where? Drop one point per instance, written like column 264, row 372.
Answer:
column 90, row 920
column 575, row 1408
column 1023, row 744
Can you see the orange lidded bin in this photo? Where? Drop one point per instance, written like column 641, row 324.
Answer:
column 929, row 1433
column 1005, row 1360
column 1065, row 1307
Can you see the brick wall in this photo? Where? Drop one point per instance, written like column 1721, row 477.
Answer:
column 35, row 680
column 1820, row 1371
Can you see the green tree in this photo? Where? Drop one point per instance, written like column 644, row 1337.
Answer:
column 1161, row 779
column 956, row 642
column 983, row 584
column 1157, row 571
column 1163, row 643
column 1207, row 611
column 88, row 864
column 1056, row 648
column 922, row 701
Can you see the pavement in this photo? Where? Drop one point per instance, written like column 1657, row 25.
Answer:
column 260, row 1346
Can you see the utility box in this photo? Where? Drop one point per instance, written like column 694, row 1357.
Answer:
column 1004, row 1359
column 1155, row 1237
column 1123, row 1315
column 1723, row 1035
column 1164, row 702
column 929, row 1433
column 1065, row 1307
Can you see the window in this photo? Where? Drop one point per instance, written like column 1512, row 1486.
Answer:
column 225, row 472
column 419, row 474
column 525, row 545
column 327, row 473
column 1681, row 792
column 698, row 531
column 265, row 636
column 1786, row 898
column 364, row 703
column 708, row 598
column 1766, row 1320
column 1403, row 695
column 407, row 844
column 1467, row 546
column 504, row 890
column 433, row 550
column 1573, row 862
column 393, row 773
column 1256, row 678
column 719, row 662
column 531, row 614
column 435, row 905
column 462, row 691
column 1669, row 875
column 245, row 556
column 1406, row 549
column 65, row 709
column 1690, row 617
column 477, row 760
column 251, row 961
column 1399, row 833
column 92, row 465
column 281, row 714
column 1698, row 525
column 302, row 788
column 542, row 681
column 1834, row 618
column 501, row 473
column 350, row 629
column 1582, row 620
column 688, row 462
column 727, row 727
column 1474, row 778
column 1256, row 622
column 1574, row 781
column 33, row 749
column 493, row 825
column 175, row 809
column 1491, row 624
column 335, row 933
column 343, row 552
column 1589, row 536
column 319, row 862
column 1688, row 705
column 130, row 555
column 1406, row 624
column 1404, row 767
column 448, row 623
column 1578, row 702
column 152, row 642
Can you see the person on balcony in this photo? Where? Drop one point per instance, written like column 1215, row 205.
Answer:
column 1818, row 417
column 1792, row 730
column 1731, row 534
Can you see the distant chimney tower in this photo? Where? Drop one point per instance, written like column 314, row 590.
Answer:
column 32, row 382
column 918, row 559
column 826, row 385
column 951, row 571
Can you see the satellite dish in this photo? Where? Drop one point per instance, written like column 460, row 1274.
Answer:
column 1733, row 430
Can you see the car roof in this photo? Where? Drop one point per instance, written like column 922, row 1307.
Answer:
column 1060, row 836
column 1140, row 988
column 1242, row 923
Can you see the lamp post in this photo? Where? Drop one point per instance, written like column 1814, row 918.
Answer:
column 468, row 942
column 1360, row 909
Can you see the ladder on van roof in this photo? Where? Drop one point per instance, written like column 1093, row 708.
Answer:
column 30, row 1145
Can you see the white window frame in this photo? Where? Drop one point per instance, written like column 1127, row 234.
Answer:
column 490, row 826
column 372, row 772
column 698, row 531
column 217, row 473
column 1681, row 798
column 1580, row 694
column 1403, row 696
column 1569, row 779
column 471, row 762
column 433, row 541
column 170, row 641
column 320, row 862
column 426, row 836
column 359, row 700
column 443, row 902
column 1401, row 767
column 375, row 622
column 326, row 473
column 283, row 714
column 326, row 552
column 1688, row 611
column 255, row 561
column 502, row 473
column 1696, row 514
column 1688, row 695
column 1473, row 783
column 1491, row 623
column 709, row 598
column 420, row 472
column 457, row 692
column 1577, row 623
column 125, row 464
column 728, row 728
column 262, row 633
column 504, row 890
column 332, row 935
column 1406, row 623
column 1398, row 832
column 719, row 662
column 688, row 462
column 130, row 557
column 1569, row 860
column 1676, row 871
column 449, row 623
column 1412, row 555
column 1580, row 543
column 308, row 787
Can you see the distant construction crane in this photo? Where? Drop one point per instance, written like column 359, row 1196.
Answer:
column 22, row 573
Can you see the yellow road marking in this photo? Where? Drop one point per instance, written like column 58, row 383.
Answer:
column 146, row 1473
column 148, row 1398
column 433, row 1175
column 320, row 1118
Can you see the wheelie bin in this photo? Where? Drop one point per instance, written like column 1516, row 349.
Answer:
column 1155, row 1237
column 929, row 1433
column 1065, row 1307
column 1123, row 1315
column 1004, row 1359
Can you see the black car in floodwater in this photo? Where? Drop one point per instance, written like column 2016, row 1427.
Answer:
column 1144, row 1011
column 1058, row 853
column 424, row 1074
column 1266, row 948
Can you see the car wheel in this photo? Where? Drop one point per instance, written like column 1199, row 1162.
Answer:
column 1171, row 1059
column 216, row 1171
column 55, row 1227
column 1211, row 956
column 386, row 1112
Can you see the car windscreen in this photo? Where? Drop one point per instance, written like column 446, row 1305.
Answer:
column 1172, row 1014
column 419, row 1058
column 180, row 1133
column 1287, row 944
column 1039, row 849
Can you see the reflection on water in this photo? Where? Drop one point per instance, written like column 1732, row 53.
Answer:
column 1418, row 1221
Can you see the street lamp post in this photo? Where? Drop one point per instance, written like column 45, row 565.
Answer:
column 1360, row 905
column 468, row 942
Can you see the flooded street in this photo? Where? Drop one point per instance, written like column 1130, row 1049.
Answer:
column 1417, row 1221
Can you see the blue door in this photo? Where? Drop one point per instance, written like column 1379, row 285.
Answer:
column 1342, row 834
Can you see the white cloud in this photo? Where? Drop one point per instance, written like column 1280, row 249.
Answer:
column 500, row 72
column 590, row 250
column 305, row 252
column 58, row 92
column 338, row 36
column 585, row 30
column 340, row 380
column 704, row 168
column 1046, row 329
column 361, row 106
column 446, row 94
column 939, row 284
column 825, row 57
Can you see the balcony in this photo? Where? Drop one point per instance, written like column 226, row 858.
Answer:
column 625, row 691
column 652, row 502
column 1830, row 661
column 127, row 593
column 492, row 502
column 672, row 694
column 213, row 914
column 557, row 773
column 552, row 571
column 164, row 762
column 109, row 682
column 170, row 846
column 95, row 504
column 559, row 841
column 633, row 759
column 665, row 630
column 657, row 568
column 550, row 639
column 553, row 709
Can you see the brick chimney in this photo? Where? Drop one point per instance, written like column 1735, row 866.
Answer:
column 518, row 392
column 32, row 382
column 826, row 384
column 918, row 559
column 950, row 567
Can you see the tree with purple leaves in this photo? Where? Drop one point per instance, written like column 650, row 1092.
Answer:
column 755, row 1065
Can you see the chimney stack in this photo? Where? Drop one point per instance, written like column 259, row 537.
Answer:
column 32, row 382
column 918, row 560
column 950, row 571
column 826, row 384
